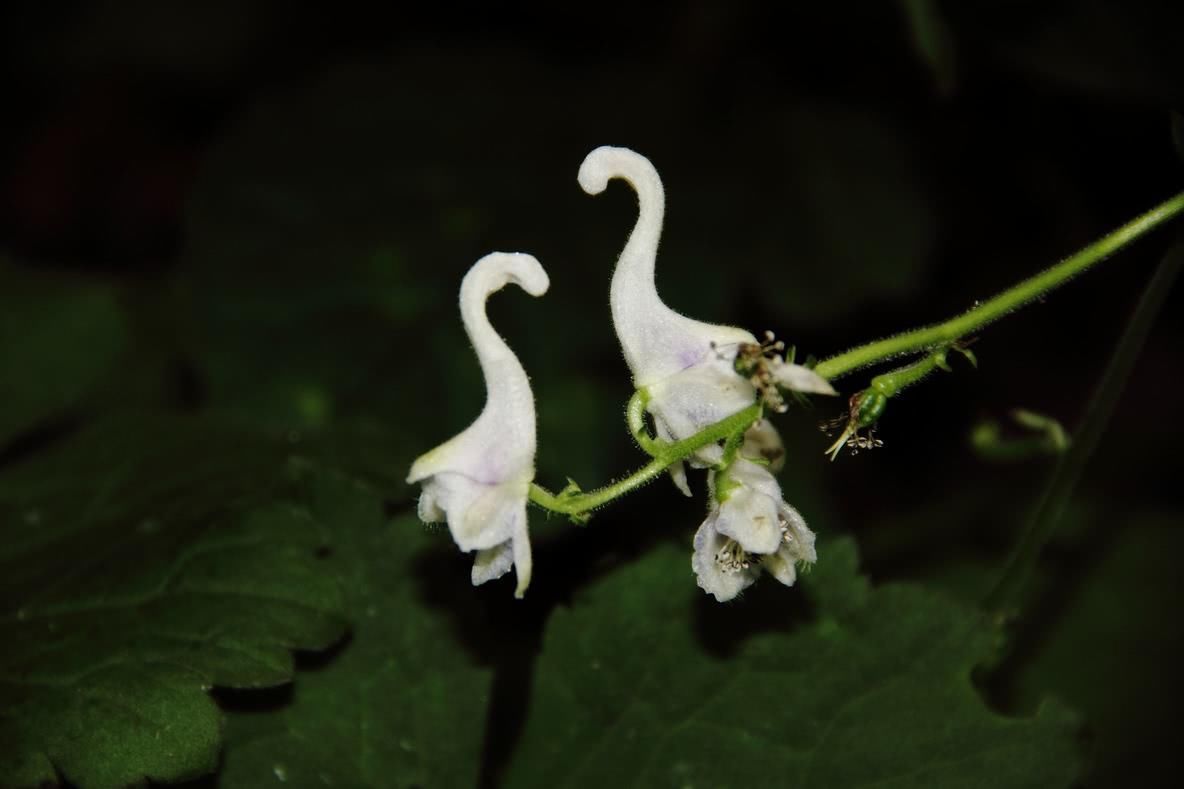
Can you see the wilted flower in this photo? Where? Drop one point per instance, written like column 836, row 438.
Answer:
column 479, row 481
column 686, row 367
column 749, row 528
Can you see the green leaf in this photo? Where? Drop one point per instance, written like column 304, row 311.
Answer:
column 144, row 562
column 402, row 705
column 58, row 337
column 644, row 682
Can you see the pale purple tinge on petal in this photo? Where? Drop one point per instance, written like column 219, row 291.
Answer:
column 698, row 397
column 797, row 545
column 687, row 370
column 694, row 399
column 685, row 365
column 500, row 445
column 656, row 340
column 491, row 515
column 799, row 540
column 751, row 529
column 718, row 578
column 479, row 480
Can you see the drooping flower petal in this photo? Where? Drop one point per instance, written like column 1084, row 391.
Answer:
column 479, row 480
column 721, row 568
column 686, row 366
column 749, row 528
column 797, row 546
column 695, row 398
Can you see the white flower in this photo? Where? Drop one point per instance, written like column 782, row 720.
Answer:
column 749, row 528
column 763, row 442
column 687, row 367
column 479, row 481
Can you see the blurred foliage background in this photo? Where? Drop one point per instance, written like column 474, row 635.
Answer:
column 262, row 212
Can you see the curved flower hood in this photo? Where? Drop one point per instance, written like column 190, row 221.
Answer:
column 656, row 340
column 479, row 480
column 687, row 367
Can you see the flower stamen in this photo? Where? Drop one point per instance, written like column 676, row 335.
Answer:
column 859, row 424
column 756, row 361
column 731, row 558
column 786, row 533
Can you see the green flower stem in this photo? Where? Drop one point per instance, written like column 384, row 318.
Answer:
column 635, row 418
column 890, row 383
column 578, row 504
column 866, row 407
column 1011, row 299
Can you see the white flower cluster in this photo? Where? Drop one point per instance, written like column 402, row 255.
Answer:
column 693, row 374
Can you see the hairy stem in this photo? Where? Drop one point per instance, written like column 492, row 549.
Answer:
column 892, row 382
column 1011, row 299
column 577, row 504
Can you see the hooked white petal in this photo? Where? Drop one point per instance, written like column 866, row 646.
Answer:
column 500, row 444
column 479, row 480
column 656, row 341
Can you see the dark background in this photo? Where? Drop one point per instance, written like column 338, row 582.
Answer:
column 286, row 198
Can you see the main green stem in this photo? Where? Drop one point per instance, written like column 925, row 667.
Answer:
column 1013, row 298
column 665, row 454
column 936, row 339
